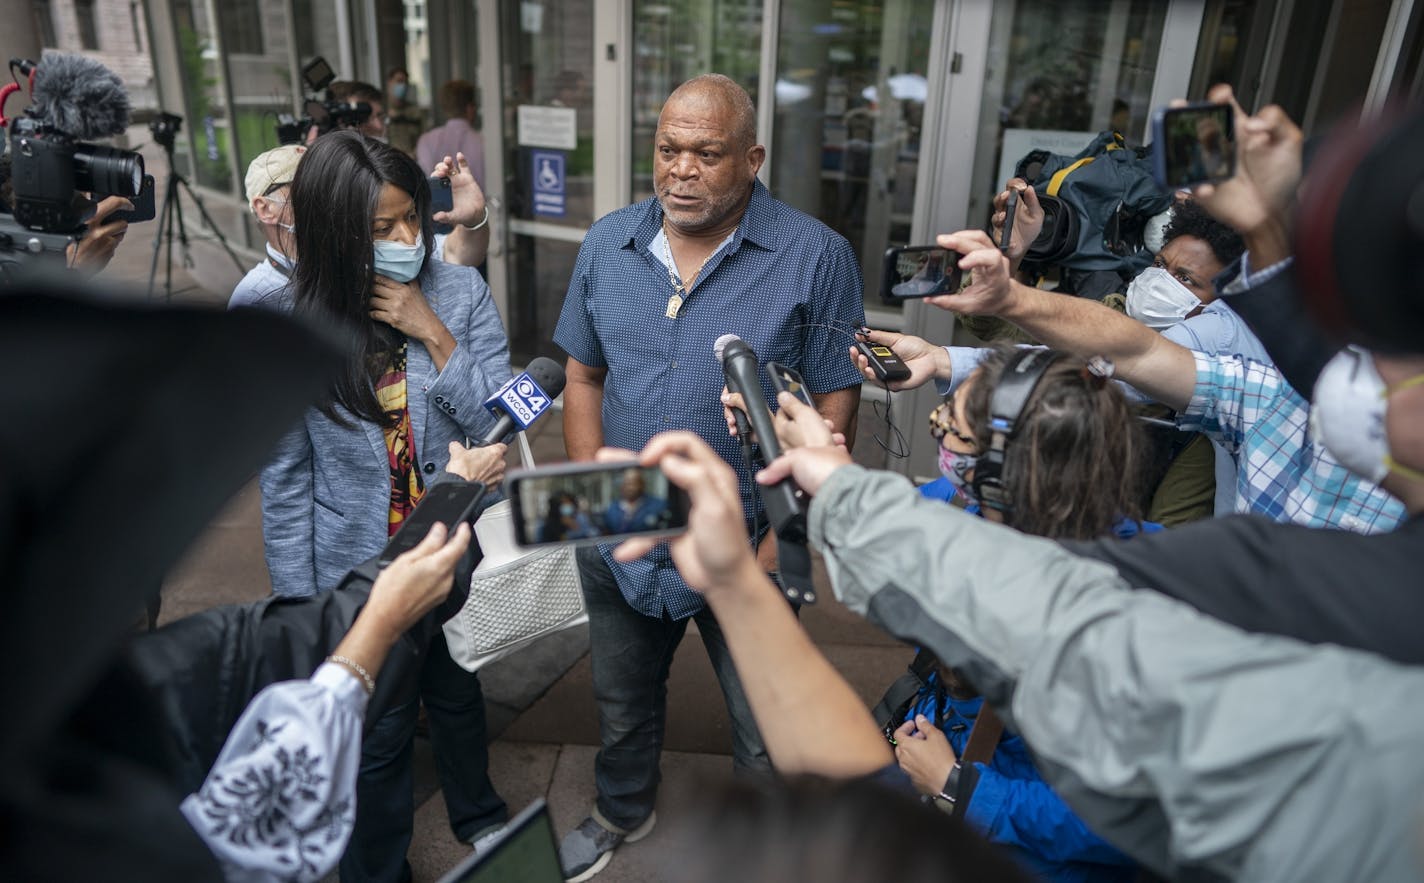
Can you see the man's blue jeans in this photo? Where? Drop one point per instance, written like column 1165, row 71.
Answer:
column 631, row 655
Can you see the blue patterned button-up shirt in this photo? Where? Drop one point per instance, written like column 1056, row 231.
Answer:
column 785, row 283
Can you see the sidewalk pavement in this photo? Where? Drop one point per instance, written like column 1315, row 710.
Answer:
column 543, row 721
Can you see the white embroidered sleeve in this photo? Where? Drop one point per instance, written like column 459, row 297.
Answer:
column 280, row 801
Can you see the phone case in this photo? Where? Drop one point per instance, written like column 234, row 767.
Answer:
column 784, row 379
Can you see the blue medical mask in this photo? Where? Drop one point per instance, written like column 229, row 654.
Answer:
column 956, row 467
column 399, row 261
column 567, row 510
column 399, row 90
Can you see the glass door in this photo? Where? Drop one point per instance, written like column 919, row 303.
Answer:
column 539, row 135
column 850, row 91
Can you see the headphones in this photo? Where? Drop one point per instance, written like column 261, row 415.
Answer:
column 1006, row 405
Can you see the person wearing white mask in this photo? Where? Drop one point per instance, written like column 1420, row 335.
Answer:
column 427, row 348
column 1177, row 297
column 1283, row 471
column 269, row 185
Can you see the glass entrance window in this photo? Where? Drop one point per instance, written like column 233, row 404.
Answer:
column 1057, row 75
column 548, row 137
column 208, row 123
column 676, row 40
column 850, row 93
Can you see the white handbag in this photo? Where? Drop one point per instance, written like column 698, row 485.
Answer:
column 517, row 595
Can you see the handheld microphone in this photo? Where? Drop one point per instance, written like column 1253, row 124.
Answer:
column 79, row 97
column 783, row 500
column 524, row 398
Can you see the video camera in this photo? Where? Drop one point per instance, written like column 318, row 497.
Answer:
column 326, row 116
column 73, row 98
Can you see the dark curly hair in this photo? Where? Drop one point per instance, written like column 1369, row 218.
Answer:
column 1190, row 219
column 1074, row 467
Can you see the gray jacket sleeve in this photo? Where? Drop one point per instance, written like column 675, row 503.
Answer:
column 1196, row 747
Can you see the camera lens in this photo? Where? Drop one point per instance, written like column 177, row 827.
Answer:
column 107, row 171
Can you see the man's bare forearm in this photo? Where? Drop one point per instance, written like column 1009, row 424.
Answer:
column 583, row 417
column 811, row 720
column 842, row 408
column 1086, row 328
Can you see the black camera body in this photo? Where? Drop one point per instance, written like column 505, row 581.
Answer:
column 326, row 116
column 165, row 128
column 48, row 167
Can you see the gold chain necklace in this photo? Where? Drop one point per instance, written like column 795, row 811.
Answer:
column 679, row 291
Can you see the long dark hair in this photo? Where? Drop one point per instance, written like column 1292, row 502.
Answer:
column 1074, row 468
column 334, row 196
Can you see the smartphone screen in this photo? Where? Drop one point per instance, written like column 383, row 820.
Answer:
column 1193, row 145
column 449, row 503
column 594, row 503
column 784, row 379
column 919, row 271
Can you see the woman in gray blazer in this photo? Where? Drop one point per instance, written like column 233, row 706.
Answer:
column 363, row 237
column 426, row 349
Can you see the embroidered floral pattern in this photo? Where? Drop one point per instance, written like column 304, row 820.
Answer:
column 255, row 808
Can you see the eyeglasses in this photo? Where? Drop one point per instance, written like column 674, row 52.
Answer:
column 942, row 424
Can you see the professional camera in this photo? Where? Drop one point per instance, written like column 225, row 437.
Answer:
column 326, row 116
column 72, row 98
column 1097, row 206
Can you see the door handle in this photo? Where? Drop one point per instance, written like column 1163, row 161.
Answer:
column 496, row 221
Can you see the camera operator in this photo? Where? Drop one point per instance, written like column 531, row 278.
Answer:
column 54, row 183
column 355, row 93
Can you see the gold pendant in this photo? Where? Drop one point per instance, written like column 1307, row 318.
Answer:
column 674, row 304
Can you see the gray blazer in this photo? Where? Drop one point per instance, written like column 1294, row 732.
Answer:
column 326, row 492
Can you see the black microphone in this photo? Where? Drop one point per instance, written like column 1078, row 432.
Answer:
column 524, row 398
column 79, row 97
column 739, row 365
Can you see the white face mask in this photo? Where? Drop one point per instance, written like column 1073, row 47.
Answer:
column 1347, row 415
column 1157, row 300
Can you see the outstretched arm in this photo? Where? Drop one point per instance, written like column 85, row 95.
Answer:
column 811, row 719
column 1142, row 357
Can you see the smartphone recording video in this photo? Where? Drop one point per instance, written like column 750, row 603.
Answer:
column 919, row 271
column 594, row 503
column 1193, row 145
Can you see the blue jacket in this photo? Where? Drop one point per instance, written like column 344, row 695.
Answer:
column 1010, row 803
column 1013, row 806
column 326, row 491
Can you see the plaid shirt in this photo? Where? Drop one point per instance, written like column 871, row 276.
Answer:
column 784, row 282
column 1281, row 473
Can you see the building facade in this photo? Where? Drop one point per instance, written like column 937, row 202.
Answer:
column 889, row 120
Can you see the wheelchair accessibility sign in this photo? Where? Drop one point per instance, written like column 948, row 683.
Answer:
column 548, row 179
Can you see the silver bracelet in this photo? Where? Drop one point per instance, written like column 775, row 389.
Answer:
column 357, row 669
column 483, row 221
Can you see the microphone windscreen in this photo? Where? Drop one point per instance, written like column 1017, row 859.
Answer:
column 720, row 347
column 548, row 374
column 80, row 97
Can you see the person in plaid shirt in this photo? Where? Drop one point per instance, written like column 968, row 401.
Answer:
column 1283, row 471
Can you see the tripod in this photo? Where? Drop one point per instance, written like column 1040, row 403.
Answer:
column 171, row 218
